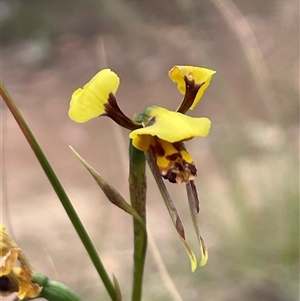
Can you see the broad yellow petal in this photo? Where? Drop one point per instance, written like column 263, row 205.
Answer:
column 142, row 142
column 170, row 126
column 198, row 74
column 88, row 102
column 162, row 160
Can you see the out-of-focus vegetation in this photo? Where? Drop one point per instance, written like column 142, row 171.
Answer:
column 248, row 168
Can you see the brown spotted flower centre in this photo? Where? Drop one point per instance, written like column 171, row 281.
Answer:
column 174, row 162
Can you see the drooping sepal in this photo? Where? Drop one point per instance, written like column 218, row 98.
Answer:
column 172, row 210
column 195, row 210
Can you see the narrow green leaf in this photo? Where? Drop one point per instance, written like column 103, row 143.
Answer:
column 137, row 185
column 64, row 199
column 112, row 194
column 171, row 209
column 194, row 208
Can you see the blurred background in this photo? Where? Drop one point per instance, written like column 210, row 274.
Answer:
column 248, row 168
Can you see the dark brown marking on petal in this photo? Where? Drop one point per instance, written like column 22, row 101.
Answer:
column 114, row 112
column 178, row 166
column 157, row 148
column 190, row 94
column 195, row 193
column 179, row 227
column 179, row 171
column 5, row 284
column 170, row 176
column 174, row 157
column 192, row 168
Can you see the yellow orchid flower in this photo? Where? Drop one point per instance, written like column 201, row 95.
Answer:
column 160, row 130
column 15, row 271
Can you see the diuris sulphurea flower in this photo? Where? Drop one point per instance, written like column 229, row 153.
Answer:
column 159, row 135
column 157, row 129
column 15, row 270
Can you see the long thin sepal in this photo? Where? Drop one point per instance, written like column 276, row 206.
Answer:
column 171, row 209
column 195, row 209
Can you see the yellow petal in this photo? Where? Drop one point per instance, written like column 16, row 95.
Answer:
column 170, row 126
column 173, row 161
column 198, row 74
column 6, row 242
column 142, row 142
column 162, row 160
column 7, row 262
column 88, row 102
column 27, row 289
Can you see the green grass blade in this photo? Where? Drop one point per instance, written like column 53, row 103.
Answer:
column 60, row 193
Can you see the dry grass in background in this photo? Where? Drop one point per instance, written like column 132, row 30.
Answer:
column 248, row 169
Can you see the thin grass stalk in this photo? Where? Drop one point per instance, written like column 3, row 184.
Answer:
column 65, row 201
column 250, row 46
column 163, row 272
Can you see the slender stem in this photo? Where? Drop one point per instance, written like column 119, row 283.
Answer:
column 65, row 201
column 137, row 187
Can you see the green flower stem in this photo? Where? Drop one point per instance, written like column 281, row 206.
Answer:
column 60, row 193
column 138, row 188
column 53, row 290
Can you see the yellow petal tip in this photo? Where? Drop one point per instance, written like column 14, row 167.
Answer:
column 204, row 253
column 203, row 260
column 88, row 102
